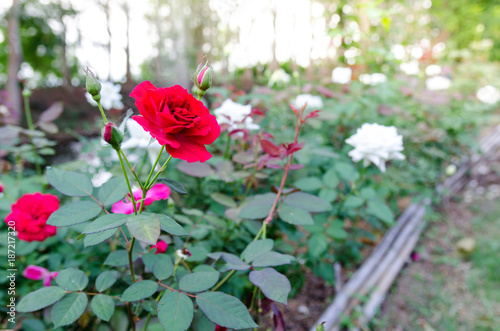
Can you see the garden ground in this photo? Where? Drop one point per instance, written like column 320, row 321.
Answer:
column 447, row 289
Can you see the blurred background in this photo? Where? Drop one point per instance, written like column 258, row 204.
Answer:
column 45, row 45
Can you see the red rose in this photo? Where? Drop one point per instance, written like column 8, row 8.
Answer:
column 30, row 214
column 177, row 120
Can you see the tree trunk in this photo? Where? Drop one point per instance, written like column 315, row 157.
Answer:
column 13, row 64
column 126, row 9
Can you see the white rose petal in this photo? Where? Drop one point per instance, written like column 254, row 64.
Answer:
column 376, row 144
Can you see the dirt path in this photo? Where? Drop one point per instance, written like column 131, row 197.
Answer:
column 443, row 288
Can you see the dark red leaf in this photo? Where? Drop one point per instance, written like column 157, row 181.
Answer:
column 270, row 148
column 279, row 322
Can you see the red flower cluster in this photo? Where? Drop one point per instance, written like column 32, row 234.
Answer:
column 177, row 120
column 30, row 214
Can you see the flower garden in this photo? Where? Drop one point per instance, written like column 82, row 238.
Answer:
column 202, row 193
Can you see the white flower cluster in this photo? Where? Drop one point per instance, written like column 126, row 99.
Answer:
column 372, row 79
column 110, row 96
column 236, row 115
column 279, row 77
column 488, row 94
column 377, row 144
column 313, row 101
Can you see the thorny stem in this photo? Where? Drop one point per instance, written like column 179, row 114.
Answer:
column 32, row 128
column 131, row 316
column 298, row 125
column 154, row 167
column 130, row 262
column 174, row 290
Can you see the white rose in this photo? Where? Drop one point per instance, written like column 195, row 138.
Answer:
column 236, row 115
column 488, row 94
column 341, row 75
column 438, row 83
column 313, row 101
column 110, row 96
column 377, row 144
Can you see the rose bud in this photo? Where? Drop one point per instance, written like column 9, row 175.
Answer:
column 112, row 135
column 92, row 85
column 203, row 76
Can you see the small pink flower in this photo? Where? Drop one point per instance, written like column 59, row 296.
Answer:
column 157, row 192
column 160, row 246
column 415, row 257
column 34, row 272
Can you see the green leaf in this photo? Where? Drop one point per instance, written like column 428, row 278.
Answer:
column 119, row 258
column 170, row 226
column 318, row 244
column 274, row 285
column 352, row 202
column 294, row 215
column 69, row 183
column 93, row 239
column 149, row 260
column 69, row 309
column 234, row 263
column 41, row 298
column 346, row 171
column 225, row 310
column 177, row 187
column 145, row 228
column 112, row 191
column 106, row 222
column 175, row 311
column 258, row 206
column 328, row 194
column 198, row 281
column 105, row 280
column 367, row 193
column 163, row 267
column 140, row 290
column 103, row 306
column 381, row 211
column 336, row 231
column 72, row 279
column 201, row 322
column 307, row 202
column 223, row 199
column 309, row 184
column 74, row 213
column 271, row 259
column 256, row 248
column 331, row 179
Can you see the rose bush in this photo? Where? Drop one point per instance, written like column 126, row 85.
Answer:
column 30, row 214
column 177, row 120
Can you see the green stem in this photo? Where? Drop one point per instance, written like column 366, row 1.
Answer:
column 229, row 275
column 164, row 166
column 102, row 112
column 131, row 169
column 130, row 262
column 29, row 121
column 228, row 146
column 154, row 167
column 127, row 180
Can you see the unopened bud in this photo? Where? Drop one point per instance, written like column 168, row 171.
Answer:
column 112, row 135
column 203, row 76
column 92, row 84
column 26, row 92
